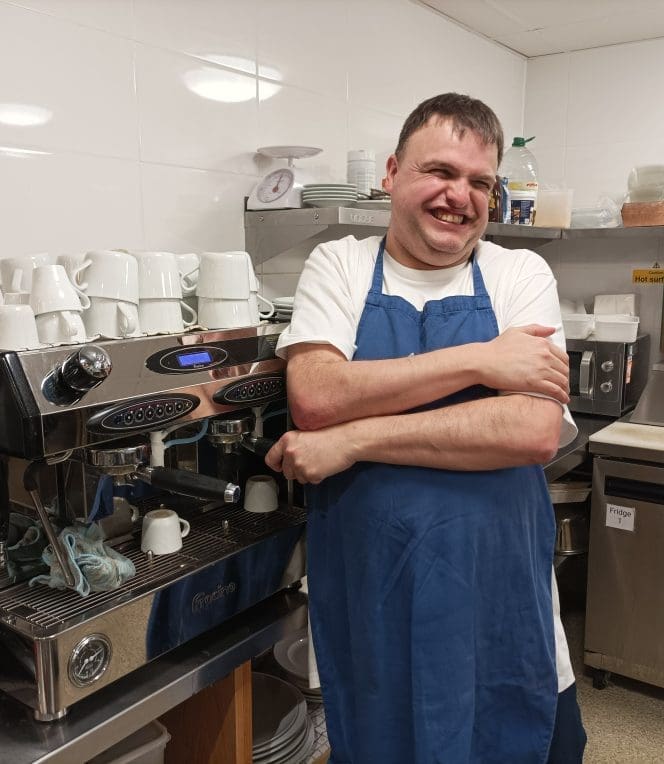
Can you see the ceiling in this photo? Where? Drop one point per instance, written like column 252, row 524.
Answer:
column 540, row 27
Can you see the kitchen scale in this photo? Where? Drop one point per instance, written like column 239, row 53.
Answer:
column 281, row 189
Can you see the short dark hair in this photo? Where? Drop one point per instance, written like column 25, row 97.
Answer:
column 465, row 113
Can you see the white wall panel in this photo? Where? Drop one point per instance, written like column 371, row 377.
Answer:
column 195, row 114
column 65, row 87
column 59, row 202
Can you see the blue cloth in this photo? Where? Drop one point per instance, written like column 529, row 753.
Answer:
column 430, row 590
column 102, row 504
column 96, row 566
column 25, row 545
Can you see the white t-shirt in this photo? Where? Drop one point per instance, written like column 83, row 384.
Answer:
column 333, row 288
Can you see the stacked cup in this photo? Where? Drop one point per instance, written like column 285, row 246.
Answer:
column 161, row 306
column 18, row 330
column 188, row 266
column 112, row 286
column 16, row 276
column 227, row 291
column 57, row 306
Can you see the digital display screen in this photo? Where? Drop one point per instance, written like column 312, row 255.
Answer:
column 185, row 360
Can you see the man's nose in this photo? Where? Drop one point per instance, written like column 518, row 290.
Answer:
column 458, row 193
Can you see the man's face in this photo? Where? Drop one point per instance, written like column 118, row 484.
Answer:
column 440, row 190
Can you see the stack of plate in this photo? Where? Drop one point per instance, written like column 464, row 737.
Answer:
column 329, row 194
column 283, row 308
column 282, row 731
column 292, row 655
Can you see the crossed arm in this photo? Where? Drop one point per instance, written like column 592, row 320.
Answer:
column 350, row 411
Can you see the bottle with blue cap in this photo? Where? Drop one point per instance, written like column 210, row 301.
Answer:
column 519, row 167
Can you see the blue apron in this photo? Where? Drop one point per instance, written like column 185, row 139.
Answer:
column 430, row 590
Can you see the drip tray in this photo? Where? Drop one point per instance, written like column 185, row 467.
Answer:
column 217, row 532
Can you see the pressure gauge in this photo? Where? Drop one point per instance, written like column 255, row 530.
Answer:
column 89, row 660
column 281, row 189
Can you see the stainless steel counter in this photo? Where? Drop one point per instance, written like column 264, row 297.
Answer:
column 110, row 715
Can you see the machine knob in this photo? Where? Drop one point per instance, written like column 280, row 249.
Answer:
column 606, row 387
column 86, row 368
column 607, row 366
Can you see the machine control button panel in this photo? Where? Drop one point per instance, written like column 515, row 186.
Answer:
column 253, row 390
column 137, row 415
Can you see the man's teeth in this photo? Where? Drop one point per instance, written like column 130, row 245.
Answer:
column 447, row 217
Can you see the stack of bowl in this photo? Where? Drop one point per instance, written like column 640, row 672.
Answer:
column 292, row 655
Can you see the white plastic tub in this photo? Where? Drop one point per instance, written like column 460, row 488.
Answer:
column 616, row 328
column 578, row 326
column 145, row 746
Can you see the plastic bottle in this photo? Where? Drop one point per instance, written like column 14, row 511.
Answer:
column 361, row 170
column 519, row 166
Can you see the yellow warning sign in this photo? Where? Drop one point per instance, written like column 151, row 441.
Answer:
column 648, row 276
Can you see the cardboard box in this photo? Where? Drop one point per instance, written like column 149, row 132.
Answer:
column 642, row 213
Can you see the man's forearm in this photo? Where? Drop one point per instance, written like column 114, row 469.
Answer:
column 484, row 434
column 325, row 389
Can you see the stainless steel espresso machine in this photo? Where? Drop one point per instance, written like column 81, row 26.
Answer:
column 72, row 415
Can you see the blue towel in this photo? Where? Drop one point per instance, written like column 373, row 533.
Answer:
column 96, row 566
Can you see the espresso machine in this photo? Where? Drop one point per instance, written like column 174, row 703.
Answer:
column 72, row 416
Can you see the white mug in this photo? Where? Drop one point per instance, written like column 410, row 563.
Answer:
column 163, row 531
column 111, row 274
column 188, row 267
column 111, row 318
column 18, row 330
column 17, row 298
column 61, row 327
column 225, row 314
column 224, row 275
column 261, row 494
column 164, row 316
column 74, row 265
column 158, row 276
column 52, row 290
column 16, row 272
column 257, row 314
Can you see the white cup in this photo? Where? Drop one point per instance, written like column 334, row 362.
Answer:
column 188, row 267
column 224, row 275
column 111, row 274
column 111, row 318
column 17, row 298
column 74, row 265
column 16, row 272
column 261, row 494
column 61, row 327
column 18, row 330
column 52, row 290
column 163, row 531
column 256, row 313
column 164, row 316
column 158, row 276
column 225, row 314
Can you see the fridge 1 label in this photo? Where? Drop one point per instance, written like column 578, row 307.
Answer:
column 620, row 517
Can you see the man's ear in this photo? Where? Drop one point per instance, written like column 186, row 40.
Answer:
column 391, row 168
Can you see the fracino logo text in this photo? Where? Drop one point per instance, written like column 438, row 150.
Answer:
column 203, row 600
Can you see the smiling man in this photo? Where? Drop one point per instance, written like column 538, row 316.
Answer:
column 428, row 379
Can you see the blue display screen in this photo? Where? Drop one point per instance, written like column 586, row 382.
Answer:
column 186, row 360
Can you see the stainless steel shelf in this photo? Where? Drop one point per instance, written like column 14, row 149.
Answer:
column 505, row 230
column 271, row 232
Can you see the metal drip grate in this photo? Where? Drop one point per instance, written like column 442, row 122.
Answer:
column 214, row 535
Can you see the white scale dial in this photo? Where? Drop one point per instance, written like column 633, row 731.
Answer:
column 275, row 185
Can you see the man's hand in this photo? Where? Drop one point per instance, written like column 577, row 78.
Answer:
column 522, row 360
column 310, row 457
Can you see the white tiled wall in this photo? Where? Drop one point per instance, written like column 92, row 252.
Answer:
column 596, row 114
column 134, row 123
